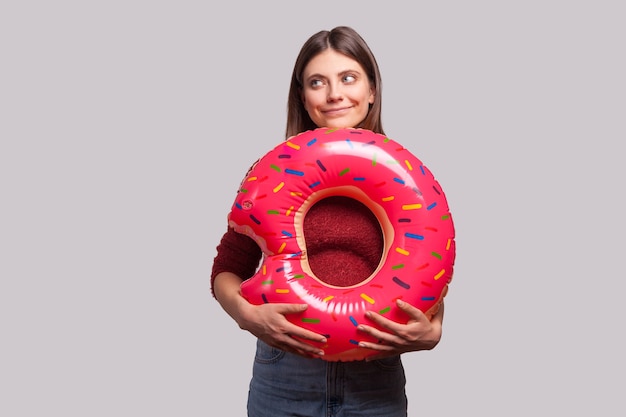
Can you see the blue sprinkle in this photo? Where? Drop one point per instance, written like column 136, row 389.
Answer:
column 414, row 236
column 432, row 206
column 311, row 142
column 352, row 319
column 294, row 172
column 315, row 184
column 399, row 180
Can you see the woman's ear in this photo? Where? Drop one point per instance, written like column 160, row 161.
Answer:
column 372, row 95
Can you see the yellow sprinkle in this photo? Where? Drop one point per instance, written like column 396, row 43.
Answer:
column 282, row 291
column 390, row 198
column 411, row 206
column 282, row 247
column 402, row 251
column 264, row 269
column 289, row 211
column 253, row 179
column 278, row 187
column 293, row 145
column 327, row 299
column 448, row 244
column 367, row 298
column 408, row 165
column 296, row 194
column 440, row 274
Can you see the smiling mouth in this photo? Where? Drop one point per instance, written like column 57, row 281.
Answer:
column 335, row 111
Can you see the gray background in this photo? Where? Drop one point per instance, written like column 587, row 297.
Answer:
column 126, row 127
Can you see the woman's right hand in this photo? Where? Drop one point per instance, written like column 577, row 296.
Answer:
column 268, row 322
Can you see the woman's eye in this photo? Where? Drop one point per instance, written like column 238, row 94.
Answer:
column 316, row 83
column 349, row 78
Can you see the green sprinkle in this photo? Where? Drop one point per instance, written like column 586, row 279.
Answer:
column 308, row 320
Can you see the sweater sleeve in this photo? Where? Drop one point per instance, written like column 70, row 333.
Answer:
column 236, row 253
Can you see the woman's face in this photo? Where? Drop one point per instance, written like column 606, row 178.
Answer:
column 336, row 91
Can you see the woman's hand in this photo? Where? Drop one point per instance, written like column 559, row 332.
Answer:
column 418, row 334
column 268, row 322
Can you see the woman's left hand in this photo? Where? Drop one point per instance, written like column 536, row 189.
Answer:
column 418, row 333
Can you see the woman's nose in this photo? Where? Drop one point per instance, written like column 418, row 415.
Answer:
column 334, row 93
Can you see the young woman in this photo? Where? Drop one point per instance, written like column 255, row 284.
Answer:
column 335, row 83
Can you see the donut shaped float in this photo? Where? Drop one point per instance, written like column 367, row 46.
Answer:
column 418, row 232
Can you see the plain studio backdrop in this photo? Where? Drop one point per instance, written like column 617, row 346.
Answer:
column 126, row 127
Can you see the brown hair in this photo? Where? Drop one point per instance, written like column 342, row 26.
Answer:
column 344, row 40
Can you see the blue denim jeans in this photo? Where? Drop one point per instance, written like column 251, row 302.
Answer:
column 288, row 385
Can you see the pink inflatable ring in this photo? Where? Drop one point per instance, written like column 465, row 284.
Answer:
column 419, row 249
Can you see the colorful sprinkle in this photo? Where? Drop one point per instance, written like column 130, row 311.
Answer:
column 408, row 165
column 353, row 320
column 293, row 145
column 398, row 180
column 268, row 282
column 275, row 167
column 402, row 251
column 282, row 247
column 432, row 206
column 401, row 283
column 282, row 291
column 367, row 298
column 319, row 164
column 415, row 206
column 310, row 320
column 343, row 171
column 311, row 142
column 390, row 198
column 327, row 299
column 414, row 236
column 278, row 187
column 254, row 219
column 440, row 274
column 294, row 172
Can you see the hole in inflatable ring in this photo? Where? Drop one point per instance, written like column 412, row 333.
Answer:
column 344, row 241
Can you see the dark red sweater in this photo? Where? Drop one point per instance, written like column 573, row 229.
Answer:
column 344, row 243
